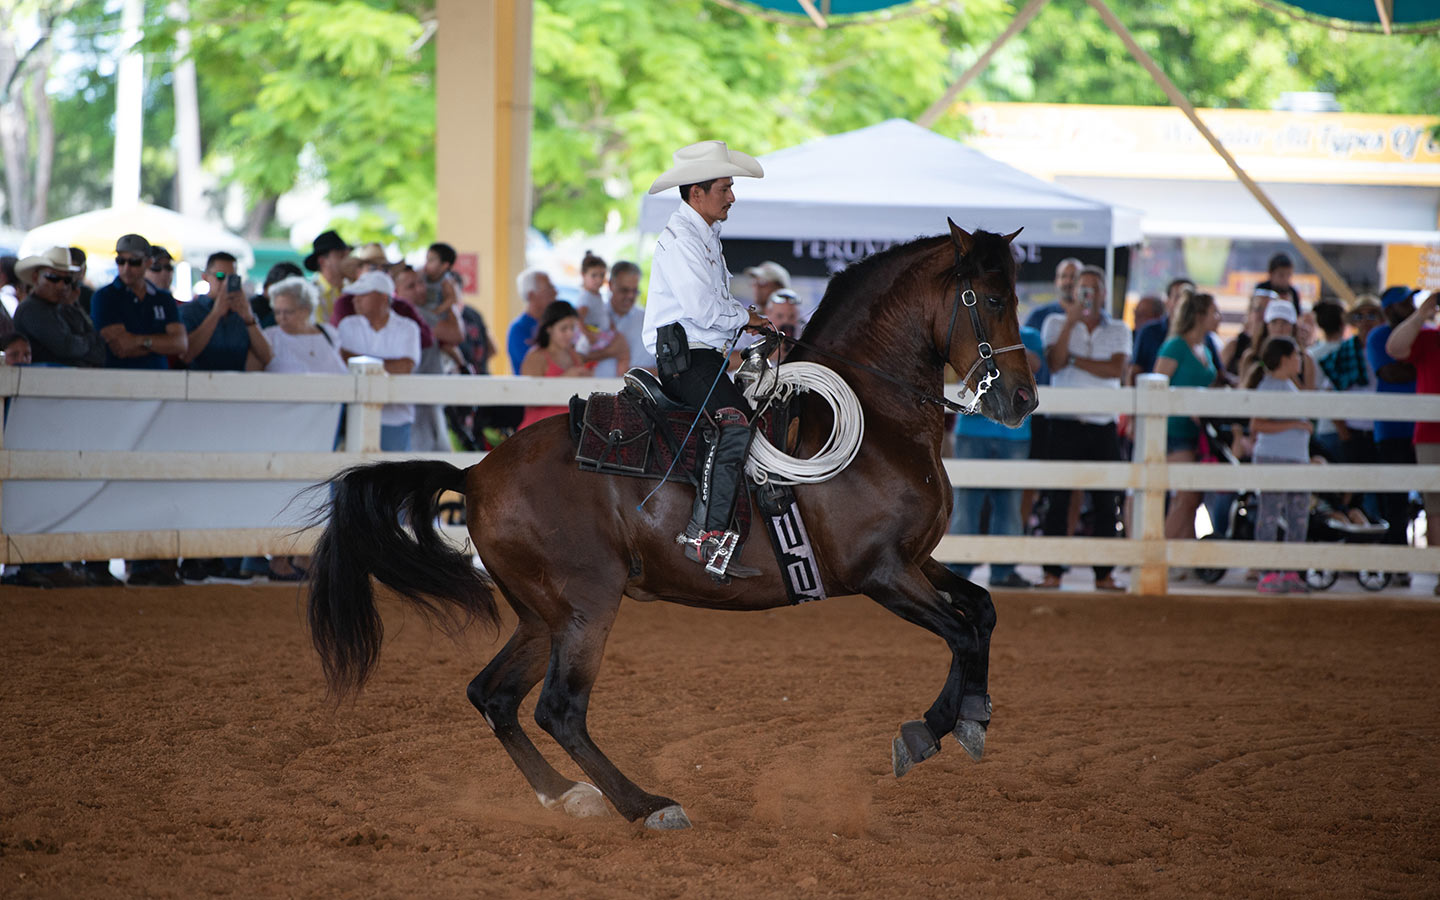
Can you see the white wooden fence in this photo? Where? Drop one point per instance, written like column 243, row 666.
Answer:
column 1148, row 478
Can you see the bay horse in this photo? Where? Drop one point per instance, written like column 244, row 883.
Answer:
column 563, row 546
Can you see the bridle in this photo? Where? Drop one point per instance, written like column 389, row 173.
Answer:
column 965, row 296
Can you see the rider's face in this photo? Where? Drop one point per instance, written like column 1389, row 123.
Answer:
column 714, row 205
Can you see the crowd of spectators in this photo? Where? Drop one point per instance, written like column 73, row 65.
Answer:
column 356, row 302
column 1385, row 344
column 359, row 302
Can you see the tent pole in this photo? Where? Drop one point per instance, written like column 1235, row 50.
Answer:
column 1328, row 274
column 937, row 109
column 814, row 14
column 1117, row 299
column 1385, row 9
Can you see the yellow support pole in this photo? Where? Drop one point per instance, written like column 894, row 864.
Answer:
column 483, row 116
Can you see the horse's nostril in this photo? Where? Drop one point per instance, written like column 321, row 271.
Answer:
column 1022, row 396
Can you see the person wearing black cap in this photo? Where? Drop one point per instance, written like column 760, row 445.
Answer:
column 161, row 271
column 328, row 253
column 1282, row 273
column 139, row 323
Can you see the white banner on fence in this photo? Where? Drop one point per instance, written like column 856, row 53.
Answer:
column 46, row 423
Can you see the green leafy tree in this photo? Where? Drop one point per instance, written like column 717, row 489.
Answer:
column 620, row 84
column 1220, row 53
column 342, row 91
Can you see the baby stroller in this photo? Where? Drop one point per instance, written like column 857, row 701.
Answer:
column 1327, row 523
column 1330, row 524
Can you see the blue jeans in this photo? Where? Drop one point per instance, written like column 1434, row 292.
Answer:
column 1004, row 502
column 395, row 437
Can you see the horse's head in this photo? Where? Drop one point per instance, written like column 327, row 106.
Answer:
column 980, row 291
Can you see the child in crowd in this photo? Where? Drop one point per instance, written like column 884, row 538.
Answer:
column 597, row 330
column 1280, row 441
column 592, row 278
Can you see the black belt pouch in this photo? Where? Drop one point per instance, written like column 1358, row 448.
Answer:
column 672, row 350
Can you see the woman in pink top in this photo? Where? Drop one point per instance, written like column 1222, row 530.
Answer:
column 554, row 355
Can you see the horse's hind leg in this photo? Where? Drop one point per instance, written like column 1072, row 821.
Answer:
column 974, row 605
column 497, row 692
column 912, row 597
column 575, row 655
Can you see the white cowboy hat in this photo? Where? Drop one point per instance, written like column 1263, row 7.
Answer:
column 704, row 161
column 57, row 258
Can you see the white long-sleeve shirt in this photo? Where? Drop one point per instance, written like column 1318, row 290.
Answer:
column 689, row 284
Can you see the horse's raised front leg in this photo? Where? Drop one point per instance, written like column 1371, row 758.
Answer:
column 973, row 603
column 911, row 596
column 497, row 692
column 575, row 654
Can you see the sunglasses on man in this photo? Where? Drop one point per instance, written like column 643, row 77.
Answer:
column 123, row 261
column 58, row 279
column 161, row 267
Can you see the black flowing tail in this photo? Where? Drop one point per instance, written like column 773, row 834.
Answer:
column 381, row 522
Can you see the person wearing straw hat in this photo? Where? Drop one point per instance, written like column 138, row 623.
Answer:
column 60, row 333
column 691, row 320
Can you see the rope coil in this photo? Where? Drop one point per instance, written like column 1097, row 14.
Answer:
column 768, row 464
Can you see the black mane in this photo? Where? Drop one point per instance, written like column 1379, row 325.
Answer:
column 874, row 275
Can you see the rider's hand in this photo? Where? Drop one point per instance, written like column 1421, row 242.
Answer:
column 757, row 322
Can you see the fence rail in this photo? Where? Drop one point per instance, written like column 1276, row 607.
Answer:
column 1148, row 476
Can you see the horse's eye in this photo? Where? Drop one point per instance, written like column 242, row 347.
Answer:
column 996, row 302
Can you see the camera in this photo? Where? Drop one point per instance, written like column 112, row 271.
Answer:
column 233, row 283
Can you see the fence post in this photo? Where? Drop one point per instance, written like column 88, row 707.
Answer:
column 362, row 418
column 1151, row 407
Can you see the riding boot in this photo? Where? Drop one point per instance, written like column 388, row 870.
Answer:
column 724, row 476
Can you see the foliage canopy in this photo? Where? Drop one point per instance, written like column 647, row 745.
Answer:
column 341, row 92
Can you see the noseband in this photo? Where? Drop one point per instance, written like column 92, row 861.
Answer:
column 965, row 296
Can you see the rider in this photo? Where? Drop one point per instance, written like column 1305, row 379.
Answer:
column 690, row 318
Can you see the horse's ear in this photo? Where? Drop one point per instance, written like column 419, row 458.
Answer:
column 960, row 236
column 1010, row 238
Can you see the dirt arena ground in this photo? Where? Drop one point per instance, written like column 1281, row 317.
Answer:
column 175, row 743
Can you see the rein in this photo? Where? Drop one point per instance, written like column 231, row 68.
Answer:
column 964, row 296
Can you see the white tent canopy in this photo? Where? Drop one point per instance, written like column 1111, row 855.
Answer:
column 186, row 237
column 896, row 181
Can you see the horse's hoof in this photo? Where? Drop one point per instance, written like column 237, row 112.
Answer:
column 971, row 736
column 671, row 818
column 914, row 745
column 584, row 801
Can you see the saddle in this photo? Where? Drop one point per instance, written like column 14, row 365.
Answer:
column 642, row 432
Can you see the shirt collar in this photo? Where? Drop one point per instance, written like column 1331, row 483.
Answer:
column 697, row 221
column 150, row 290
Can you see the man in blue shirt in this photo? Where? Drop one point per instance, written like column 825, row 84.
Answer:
column 139, row 323
column 538, row 292
column 1394, row 441
column 222, row 331
column 976, row 437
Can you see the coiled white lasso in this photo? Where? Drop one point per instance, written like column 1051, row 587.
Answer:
column 767, row 464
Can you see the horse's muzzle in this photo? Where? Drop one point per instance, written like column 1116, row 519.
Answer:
column 1011, row 408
